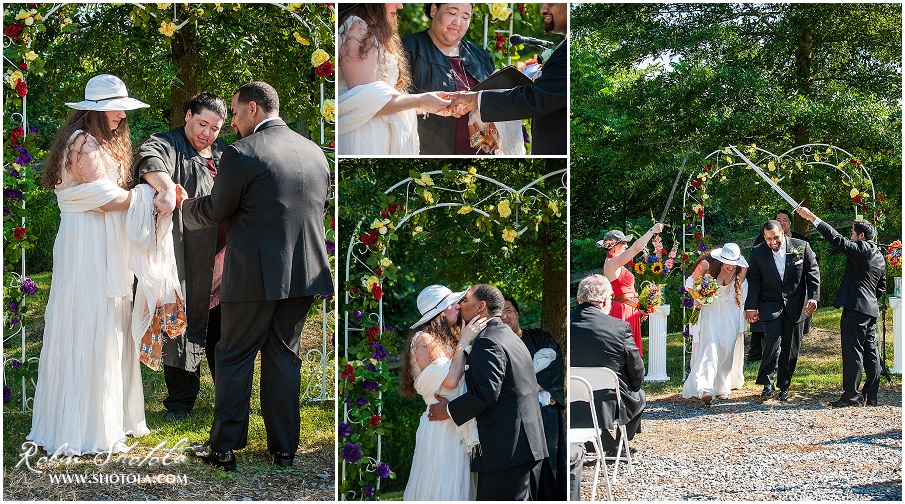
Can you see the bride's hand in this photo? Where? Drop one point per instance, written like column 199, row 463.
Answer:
column 165, row 202
column 471, row 330
column 433, row 103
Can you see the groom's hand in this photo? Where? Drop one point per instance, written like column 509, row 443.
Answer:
column 751, row 316
column 181, row 195
column 437, row 411
column 810, row 307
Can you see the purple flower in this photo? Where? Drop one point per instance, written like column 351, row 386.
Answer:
column 15, row 363
column 13, row 194
column 7, row 394
column 24, row 156
column 702, row 247
column 14, row 306
column 686, row 334
column 348, row 400
column 29, row 287
column 13, row 321
column 369, row 491
column 690, row 226
column 14, row 173
column 651, row 259
column 32, row 129
column 358, row 315
column 331, row 247
column 383, row 470
column 361, row 401
column 370, row 385
column 351, row 452
column 344, row 430
column 5, row 210
column 687, row 302
column 683, row 290
column 370, row 367
column 380, row 353
column 688, row 367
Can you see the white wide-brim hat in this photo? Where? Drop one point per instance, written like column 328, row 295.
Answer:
column 106, row 92
column 729, row 253
column 433, row 300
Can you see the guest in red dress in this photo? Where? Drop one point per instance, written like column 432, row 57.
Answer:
column 625, row 298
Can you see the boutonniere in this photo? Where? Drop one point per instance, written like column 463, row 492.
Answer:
column 798, row 251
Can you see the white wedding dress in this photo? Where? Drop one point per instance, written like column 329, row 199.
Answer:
column 717, row 348
column 441, row 466
column 361, row 131
column 89, row 393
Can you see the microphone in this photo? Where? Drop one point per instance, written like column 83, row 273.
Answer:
column 518, row 40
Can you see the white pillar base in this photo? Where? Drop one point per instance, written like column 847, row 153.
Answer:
column 656, row 345
column 896, row 304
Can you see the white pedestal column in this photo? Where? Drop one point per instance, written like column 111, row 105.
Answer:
column 656, row 345
column 896, row 304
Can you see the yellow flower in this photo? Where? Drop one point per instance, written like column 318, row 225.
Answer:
column 381, row 225
column 319, row 57
column 639, row 268
column 13, row 78
column 425, row 180
column 385, row 262
column 428, row 197
column 775, row 180
column 464, row 209
column 300, row 39
column 293, row 6
column 163, row 5
column 167, row 29
column 509, row 235
column 503, row 208
column 30, row 56
column 771, row 166
column 705, row 196
column 728, row 160
column 370, row 282
column 218, row 7
column 500, row 12
column 853, row 193
column 29, row 21
column 829, row 151
column 817, row 157
column 329, row 110
column 553, row 207
column 472, row 170
column 236, row 7
column 25, row 14
column 859, row 217
column 417, row 230
column 656, row 268
column 727, row 150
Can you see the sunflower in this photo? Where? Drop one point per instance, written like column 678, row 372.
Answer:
column 656, row 268
column 639, row 268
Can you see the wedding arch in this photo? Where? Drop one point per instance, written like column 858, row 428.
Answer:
column 502, row 213
column 854, row 177
column 22, row 62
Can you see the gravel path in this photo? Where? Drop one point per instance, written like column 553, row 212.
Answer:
column 744, row 448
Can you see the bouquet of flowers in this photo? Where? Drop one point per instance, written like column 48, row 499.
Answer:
column 650, row 297
column 704, row 291
column 894, row 255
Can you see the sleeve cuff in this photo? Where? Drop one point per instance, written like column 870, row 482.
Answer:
column 447, row 411
column 817, row 221
column 479, row 99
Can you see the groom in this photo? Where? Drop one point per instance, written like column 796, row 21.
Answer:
column 502, row 397
column 783, row 289
column 272, row 187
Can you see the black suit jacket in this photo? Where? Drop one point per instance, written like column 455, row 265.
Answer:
column 599, row 340
column 273, row 187
column 864, row 279
column 502, row 398
column 770, row 295
column 544, row 101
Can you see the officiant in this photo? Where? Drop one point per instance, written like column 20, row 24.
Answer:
column 440, row 59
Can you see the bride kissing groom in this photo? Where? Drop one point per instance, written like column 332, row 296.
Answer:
column 497, row 398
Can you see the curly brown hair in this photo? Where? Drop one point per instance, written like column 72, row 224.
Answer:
column 381, row 32
column 443, row 338
column 116, row 143
column 714, row 271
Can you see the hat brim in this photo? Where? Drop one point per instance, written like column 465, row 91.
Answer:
column 717, row 253
column 107, row 105
column 600, row 243
column 453, row 298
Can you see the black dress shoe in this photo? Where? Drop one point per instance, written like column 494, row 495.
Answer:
column 175, row 416
column 768, row 391
column 868, row 400
column 842, row 403
column 784, row 395
column 282, row 459
column 225, row 460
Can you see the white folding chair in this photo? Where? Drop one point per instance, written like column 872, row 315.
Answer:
column 602, row 378
column 580, row 391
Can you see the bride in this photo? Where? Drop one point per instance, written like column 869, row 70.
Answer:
column 434, row 364
column 376, row 114
column 717, row 347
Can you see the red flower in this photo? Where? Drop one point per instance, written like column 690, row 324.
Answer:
column 354, row 290
column 857, row 199
column 333, row 223
column 375, row 420
column 332, row 144
column 685, row 258
column 384, row 214
column 630, row 265
column 13, row 30
column 698, row 236
column 325, row 69
column 19, row 233
column 880, row 197
column 879, row 213
column 373, row 333
column 521, row 8
column 866, row 207
column 15, row 134
column 23, row 65
column 377, row 290
column 664, row 251
column 701, row 213
column 369, row 238
column 21, row 88
column 349, row 373
column 379, row 271
column 696, row 183
column 392, row 208
column 708, row 167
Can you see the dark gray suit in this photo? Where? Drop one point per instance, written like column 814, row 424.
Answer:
column 273, row 188
column 780, row 303
column 502, row 398
column 863, row 281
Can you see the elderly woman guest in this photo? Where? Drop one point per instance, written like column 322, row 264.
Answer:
column 619, row 253
column 440, row 59
column 376, row 114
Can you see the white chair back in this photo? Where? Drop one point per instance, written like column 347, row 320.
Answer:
column 600, row 378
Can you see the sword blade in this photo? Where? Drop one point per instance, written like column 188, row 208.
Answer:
column 674, row 185
column 769, row 180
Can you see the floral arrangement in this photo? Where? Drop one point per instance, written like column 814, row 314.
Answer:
column 704, row 291
column 652, row 267
column 894, row 256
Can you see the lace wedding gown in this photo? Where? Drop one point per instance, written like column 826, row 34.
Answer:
column 717, row 349
column 361, row 131
column 89, row 393
column 441, row 466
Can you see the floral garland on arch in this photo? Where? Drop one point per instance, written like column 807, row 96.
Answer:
column 510, row 216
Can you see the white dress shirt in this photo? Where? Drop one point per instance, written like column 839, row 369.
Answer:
column 779, row 258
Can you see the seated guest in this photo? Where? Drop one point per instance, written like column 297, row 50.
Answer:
column 599, row 340
column 550, row 372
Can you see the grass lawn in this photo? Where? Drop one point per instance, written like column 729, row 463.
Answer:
column 819, row 369
column 312, row 477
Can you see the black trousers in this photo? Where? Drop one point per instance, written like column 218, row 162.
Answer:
column 859, row 350
column 576, row 462
column 183, row 385
column 517, row 483
column 756, row 348
column 274, row 328
column 782, row 340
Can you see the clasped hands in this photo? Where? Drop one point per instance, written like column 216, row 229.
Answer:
column 454, row 104
column 168, row 200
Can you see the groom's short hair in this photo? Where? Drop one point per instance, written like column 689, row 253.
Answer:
column 261, row 93
column 491, row 296
column 863, row 226
column 772, row 224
